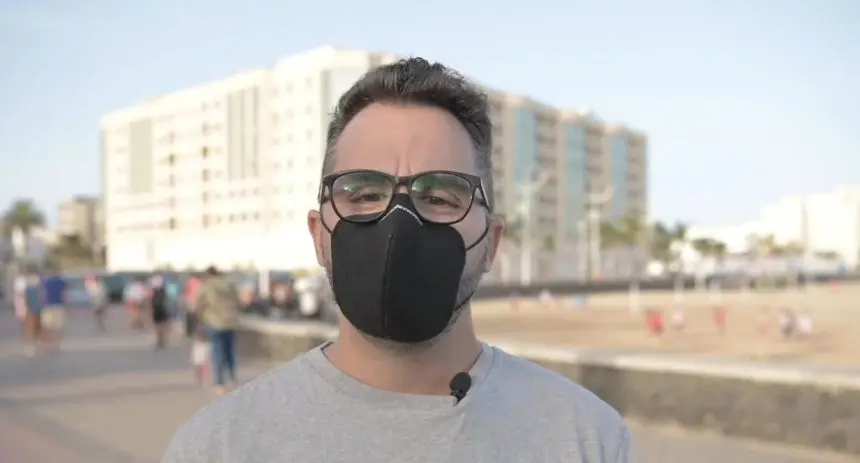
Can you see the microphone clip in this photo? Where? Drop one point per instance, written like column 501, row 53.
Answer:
column 460, row 385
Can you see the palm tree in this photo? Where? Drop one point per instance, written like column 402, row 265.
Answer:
column 548, row 243
column 70, row 254
column 661, row 243
column 702, row 245
column 512, row 237
column 70, row 245
column 720, row 250
column 795, row 252
column 610, row 239
column 766, row 247
column 22, row 215
column 712, row 250
column 705, row 248
column 610, row 234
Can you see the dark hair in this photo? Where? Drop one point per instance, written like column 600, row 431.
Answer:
column 211, row 270
column 418, row 81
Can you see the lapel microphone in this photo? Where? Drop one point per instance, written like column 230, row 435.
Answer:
column 460, row 385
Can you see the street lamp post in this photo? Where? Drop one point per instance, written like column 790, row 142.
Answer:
column 594, row 203
column 582, row 248
column 525, row 210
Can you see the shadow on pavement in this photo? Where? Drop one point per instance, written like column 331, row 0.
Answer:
column 46, row 369
column 82, row 445
column 81, row 398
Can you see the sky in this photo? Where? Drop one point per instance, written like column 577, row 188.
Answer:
column 743, row 101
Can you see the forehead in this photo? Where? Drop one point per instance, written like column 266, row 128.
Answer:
column 404, row 139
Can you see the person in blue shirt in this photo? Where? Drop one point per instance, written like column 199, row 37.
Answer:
column 54, row 286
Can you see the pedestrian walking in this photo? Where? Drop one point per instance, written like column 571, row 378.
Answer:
column 19, row 300
column 805, row 326
column 134, row 296
column 201, row 351
column 54, row 314
column 405, row 230
column 218, row 308
column 98, row 299
column 159, row 310
column 33, row 302
column 787, row 322
column 192, row 290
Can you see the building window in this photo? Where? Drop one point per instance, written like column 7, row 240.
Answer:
column 526, row 147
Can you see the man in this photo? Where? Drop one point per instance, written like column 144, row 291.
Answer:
column 159, row 310
column 32, row 302
column 192, row 289
column 218, row 308
column 405, row 232
column 54, row 314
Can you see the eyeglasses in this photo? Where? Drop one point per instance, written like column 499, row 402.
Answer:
column 441, row 197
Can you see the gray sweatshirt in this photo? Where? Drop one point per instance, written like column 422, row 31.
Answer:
column 308, row 411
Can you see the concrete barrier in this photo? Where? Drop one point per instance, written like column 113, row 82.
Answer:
column 491, row 291
column 815, row 408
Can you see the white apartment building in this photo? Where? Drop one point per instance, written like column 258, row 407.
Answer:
column 822, row 222
column 224, row 173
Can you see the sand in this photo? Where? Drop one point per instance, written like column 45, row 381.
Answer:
column 606, row 321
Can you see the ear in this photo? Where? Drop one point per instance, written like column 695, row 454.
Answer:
column 318, row 234
column 494, row 235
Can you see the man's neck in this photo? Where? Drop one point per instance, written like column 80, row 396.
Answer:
column 423, row 372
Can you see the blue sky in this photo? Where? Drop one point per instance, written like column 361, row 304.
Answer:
column 745, row 101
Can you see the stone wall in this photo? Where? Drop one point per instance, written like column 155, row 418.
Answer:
column 818, row 409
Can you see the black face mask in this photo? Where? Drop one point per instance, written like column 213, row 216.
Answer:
column 398, row 278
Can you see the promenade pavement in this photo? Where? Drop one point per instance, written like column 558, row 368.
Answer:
column 114, row 399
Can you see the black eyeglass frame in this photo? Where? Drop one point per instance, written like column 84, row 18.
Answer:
column 476, row 183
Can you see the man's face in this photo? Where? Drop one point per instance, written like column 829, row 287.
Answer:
column 402, row 141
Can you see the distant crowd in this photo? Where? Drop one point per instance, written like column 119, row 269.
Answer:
column 207, row 304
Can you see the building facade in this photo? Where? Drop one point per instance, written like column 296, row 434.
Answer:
column 82, row 216
column 224, row 173
column 821, row 223
column 580, row 158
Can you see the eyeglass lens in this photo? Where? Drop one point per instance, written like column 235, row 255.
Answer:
column 438, row 197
